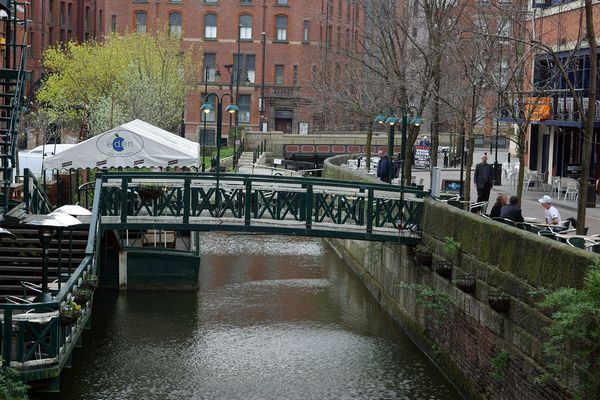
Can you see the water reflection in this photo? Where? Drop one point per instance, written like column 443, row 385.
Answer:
column 273, row 319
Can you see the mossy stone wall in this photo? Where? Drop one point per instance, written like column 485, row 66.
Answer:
column 466, row 339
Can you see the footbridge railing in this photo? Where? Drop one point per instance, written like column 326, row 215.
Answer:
column 262, row 204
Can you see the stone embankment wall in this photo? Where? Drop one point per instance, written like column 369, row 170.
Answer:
column 489, row 355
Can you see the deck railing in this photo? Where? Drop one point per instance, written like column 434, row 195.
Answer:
column 32, row 336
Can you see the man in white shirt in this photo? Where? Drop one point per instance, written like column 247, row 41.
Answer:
column 552, row 215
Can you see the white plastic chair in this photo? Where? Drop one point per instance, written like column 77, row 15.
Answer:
column 572, row 191
column 555, row 186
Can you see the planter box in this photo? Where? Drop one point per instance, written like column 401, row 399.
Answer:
column 499, row 302
column 444, row 269
column 423, row 259
column 466, row 283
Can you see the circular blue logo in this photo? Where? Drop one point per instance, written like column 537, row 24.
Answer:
column 117, row 143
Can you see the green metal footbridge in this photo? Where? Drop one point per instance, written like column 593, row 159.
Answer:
column 260, row 204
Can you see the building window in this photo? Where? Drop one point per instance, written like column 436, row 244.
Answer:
column 175, row 24
column 113, row 23
column 247, row 67
column 62, row 13
column 140, row 22
column 86, row 19
column 210, row 67
column 69, row 15
column 245, row 27
column 243, row 102
column 348, row 10
column 282, row 23
column 50, row 36
column 207, row 137
column 295, row 75
column 31, row 44
column 282, row 2
column 245, row 1
column 101, row 23
column 338, row 41
column 211, row 1
column 279, row 74
column 340, row 9
column 305, row 36
column 347, row 38
column 210, row 117
column 210, row 26
column 313, row 73
column 51, row 11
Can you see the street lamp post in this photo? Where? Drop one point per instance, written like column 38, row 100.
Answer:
column 207, row 108
column 206, row 73
column 392, row 120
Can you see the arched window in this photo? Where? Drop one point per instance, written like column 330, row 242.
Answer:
column 175, row 24
column 282, row 24
column 245, row 26
column 210, row 26
column 140, row 22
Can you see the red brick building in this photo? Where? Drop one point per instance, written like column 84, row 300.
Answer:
column 55, row 21
column 281, row 43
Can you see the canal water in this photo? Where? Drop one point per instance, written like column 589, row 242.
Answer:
column 275, row 318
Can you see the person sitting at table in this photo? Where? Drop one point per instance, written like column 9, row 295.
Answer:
column 552, row 216
column 512, row 210
column 501, row 200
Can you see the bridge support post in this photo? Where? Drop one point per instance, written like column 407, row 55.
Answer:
column 370, row 200
column 309, row 206
column 122, row 270
column 248, row 202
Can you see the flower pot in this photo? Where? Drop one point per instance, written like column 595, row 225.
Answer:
column 466, row 283
column 149, row 192
column 90, row 282
column 424, row 259
column 81, row 296
column 444, row 269
column 68, row 317
column 499, row 302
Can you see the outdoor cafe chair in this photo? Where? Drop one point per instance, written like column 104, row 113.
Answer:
column 505, row 221
column 576, row 242
column 548, row 234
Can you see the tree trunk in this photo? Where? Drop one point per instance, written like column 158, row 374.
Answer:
column 469, row 164
column 522, row 167
column 368, row 148
column 588, row 134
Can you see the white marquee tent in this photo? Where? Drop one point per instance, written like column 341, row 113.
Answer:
column 134, row 144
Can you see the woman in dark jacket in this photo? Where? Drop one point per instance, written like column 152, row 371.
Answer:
column 501, row 200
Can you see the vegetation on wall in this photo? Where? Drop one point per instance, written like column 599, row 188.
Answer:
column 498, row 363
column 451, row 247
column 433, row 300
column 11, row 385
column 574, row 344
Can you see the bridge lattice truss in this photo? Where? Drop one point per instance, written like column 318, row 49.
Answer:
column 251, row 203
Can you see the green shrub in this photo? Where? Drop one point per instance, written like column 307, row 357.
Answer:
column 451, row 247
column 11, row 385
column 574, row 345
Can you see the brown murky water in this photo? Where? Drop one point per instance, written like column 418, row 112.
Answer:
column 275, row 318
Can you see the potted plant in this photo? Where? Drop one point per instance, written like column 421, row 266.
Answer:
column 90, row 281
column 81, row 295
column 444, row 269
column 149, row 191
column 69, row 313
column 499, row 301
column 466, row 283
column 423, row 255
column 451, row 248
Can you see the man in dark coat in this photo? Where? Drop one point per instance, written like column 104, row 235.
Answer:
column 383, row 168
column 484, row 179
column 512, row 211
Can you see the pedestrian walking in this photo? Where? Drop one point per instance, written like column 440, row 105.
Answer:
column 484, row 179
column 383, row 168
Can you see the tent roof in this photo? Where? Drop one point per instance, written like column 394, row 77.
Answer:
column 134, row 144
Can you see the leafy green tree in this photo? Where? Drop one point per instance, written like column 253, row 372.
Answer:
column 11, row 385
column 145, row 76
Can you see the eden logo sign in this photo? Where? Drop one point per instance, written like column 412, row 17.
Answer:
column 119, row 144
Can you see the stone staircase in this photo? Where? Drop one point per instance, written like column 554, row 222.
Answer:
column 247, row 158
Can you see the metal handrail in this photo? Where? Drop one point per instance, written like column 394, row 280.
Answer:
column 36, row 200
